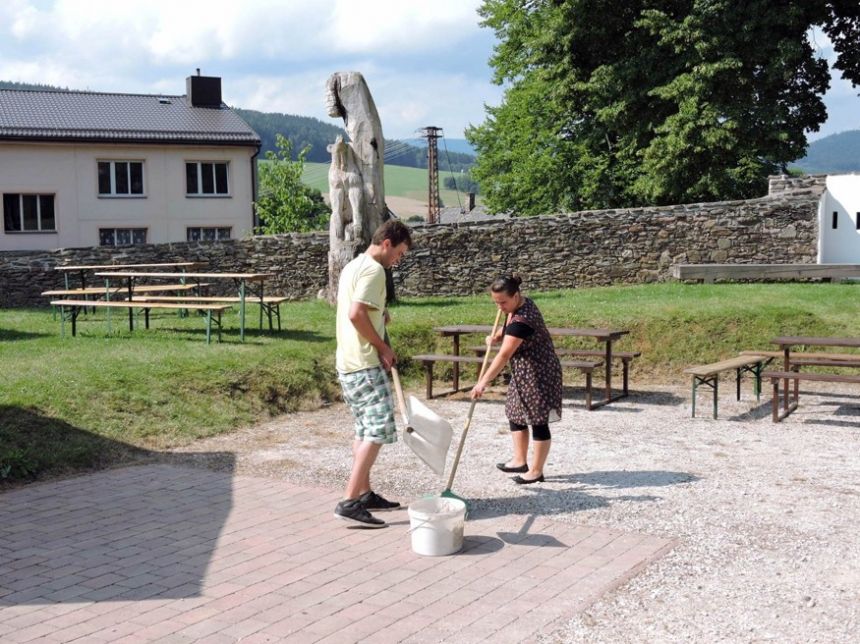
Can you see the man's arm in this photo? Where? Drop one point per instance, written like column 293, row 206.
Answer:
column 358, row 315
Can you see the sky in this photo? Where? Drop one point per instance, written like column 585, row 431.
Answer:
column 425, row 61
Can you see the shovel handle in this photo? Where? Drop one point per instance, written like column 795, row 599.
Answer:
column 471, row 408
column 400, row 399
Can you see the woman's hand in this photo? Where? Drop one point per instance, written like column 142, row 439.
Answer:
column 477, row 391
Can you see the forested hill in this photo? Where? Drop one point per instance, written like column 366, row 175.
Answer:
column 832, row 154
column 300, row 130
column 305, row 130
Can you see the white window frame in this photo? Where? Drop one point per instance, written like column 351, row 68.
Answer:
column 131, row 230
column 38, row 196
column 113, row 194
column 206, row 195
column 229, row 230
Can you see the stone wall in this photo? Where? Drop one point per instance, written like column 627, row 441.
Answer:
column 569, row 250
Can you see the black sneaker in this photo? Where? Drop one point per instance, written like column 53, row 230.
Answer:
column 354, row 511
column 372, row 501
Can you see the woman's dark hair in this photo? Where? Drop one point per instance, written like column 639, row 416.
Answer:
column 508, row 284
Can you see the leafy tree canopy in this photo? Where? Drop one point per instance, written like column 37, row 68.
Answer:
column 285, row 204
column 652, row 101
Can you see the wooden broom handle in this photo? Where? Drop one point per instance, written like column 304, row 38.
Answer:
column 471, row 408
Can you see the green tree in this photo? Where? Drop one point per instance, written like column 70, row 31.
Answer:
column 652, row 101
column 285, row 204
column 461, row 181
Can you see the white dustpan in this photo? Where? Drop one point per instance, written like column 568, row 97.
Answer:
column 427, row 434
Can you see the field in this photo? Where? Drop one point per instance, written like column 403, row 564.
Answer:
column 86, row 402
column 405, row 188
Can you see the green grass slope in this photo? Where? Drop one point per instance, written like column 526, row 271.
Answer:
column 97, row 399
column 400, row 181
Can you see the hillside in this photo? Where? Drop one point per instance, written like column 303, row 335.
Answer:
column 833, row 154
column 405, row 188
column 460, row 146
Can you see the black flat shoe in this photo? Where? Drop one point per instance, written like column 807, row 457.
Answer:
column 519, row 469
column 519, row 480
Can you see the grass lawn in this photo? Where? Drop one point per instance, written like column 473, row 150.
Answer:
column 85, row 402
column 400, row 181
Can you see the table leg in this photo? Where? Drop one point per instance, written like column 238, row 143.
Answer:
column 109, row 313
column 456, row 364
column 786, row 362
column 242, row 310
column 262, row 302
column 774, row 403
column 608, row 359
column 130, row 309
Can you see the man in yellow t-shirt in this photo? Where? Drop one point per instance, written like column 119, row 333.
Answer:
column 363, row 358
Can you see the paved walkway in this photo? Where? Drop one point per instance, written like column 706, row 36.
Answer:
column 173, row 554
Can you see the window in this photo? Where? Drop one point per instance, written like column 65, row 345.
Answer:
column 207, row 233
column 120, row 178
column 122, row 236
column 28, row 213
column 206, row 178
column 835, row 223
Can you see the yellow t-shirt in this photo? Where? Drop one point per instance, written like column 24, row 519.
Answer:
column 362, row 280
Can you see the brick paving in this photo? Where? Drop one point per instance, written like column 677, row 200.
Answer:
column 174, row 554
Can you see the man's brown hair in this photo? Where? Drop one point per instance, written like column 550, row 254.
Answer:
column 395, row 231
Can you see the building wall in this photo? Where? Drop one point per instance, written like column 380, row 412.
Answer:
column 568, row 250
column 841, row 202
column 69, row 171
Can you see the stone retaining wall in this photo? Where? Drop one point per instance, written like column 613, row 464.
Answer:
column 568, row 250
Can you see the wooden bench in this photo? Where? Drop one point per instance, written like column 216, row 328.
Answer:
column 585, row 366
column 70, row 309
column 814, row 359
column 764, row 272
column 776, row 376
column 118, row 291
column 271, row 303
column 626, row 358
column 149, row 288
column 709, row 375
column 800, row 355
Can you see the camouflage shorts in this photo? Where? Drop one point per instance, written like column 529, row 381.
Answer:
column 368, row 395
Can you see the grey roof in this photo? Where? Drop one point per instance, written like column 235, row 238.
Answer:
column 37, row 115
column 456, row 215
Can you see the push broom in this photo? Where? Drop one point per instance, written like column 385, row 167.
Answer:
column 447, row 491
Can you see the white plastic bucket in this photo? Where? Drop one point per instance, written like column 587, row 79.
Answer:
column 437, row 525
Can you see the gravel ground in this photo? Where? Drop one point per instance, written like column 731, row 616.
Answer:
column 765, row 515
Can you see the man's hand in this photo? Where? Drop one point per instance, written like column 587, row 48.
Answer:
column 387, row 357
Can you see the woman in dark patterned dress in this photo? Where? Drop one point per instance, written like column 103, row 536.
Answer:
column 534, row 395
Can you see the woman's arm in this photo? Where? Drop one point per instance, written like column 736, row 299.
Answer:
column 509, row 346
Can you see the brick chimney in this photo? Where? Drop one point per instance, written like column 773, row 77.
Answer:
column 203, row 91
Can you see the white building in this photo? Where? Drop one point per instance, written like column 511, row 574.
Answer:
column 839, row 221
column 88, row 169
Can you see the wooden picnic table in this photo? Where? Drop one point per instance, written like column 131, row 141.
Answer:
column 785, row 343
column 82, row 270
column 605, row 336
column 241, row 279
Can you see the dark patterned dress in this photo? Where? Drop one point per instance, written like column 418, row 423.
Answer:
column 534, row 395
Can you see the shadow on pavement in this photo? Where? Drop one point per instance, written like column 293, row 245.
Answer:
column 119, row 534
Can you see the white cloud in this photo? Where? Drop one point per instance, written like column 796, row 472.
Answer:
column 394, row 26
column 404, row 101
